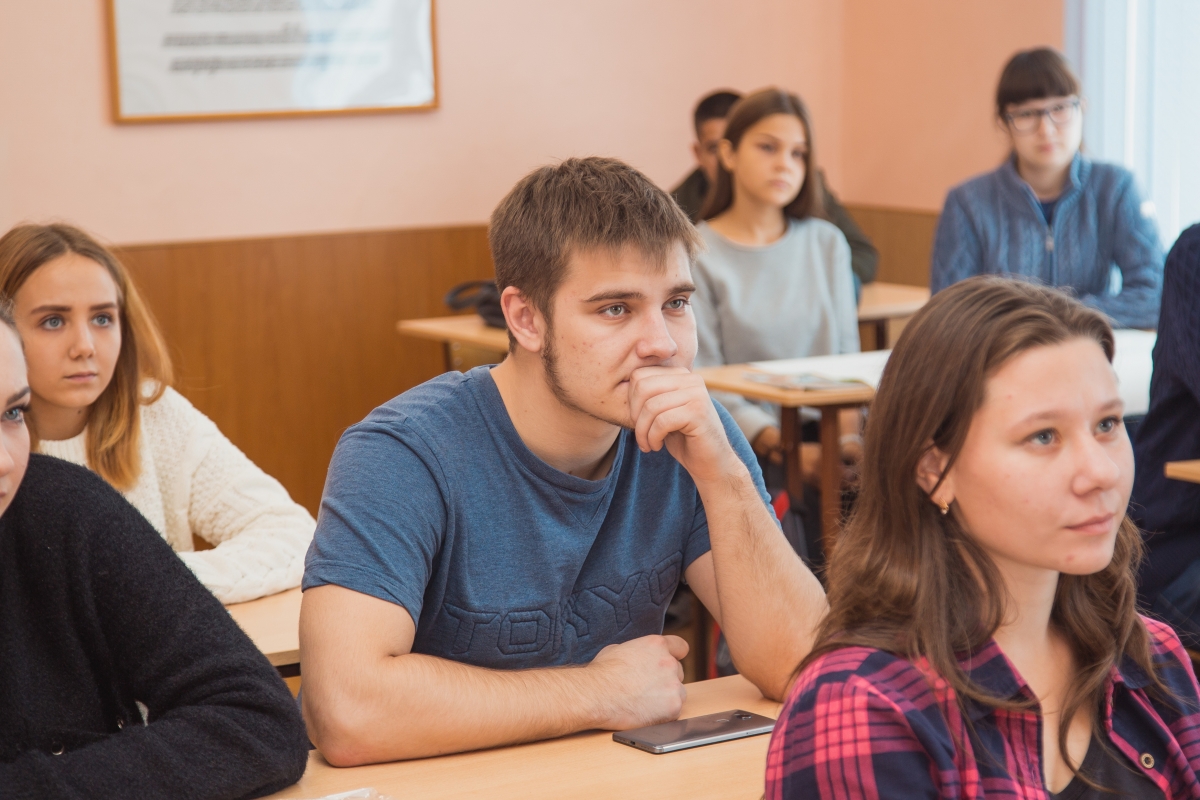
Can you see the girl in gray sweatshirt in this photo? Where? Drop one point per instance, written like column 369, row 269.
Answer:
column 775, row 281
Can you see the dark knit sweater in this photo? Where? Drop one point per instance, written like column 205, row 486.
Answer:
column 1168, row 510
column 98, row 614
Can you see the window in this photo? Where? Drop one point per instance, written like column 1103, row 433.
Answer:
column 1139, row 61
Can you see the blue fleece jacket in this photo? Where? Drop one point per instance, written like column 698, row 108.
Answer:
column 993, row 224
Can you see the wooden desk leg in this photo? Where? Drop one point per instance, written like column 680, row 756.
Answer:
column 831, row 477
column 789, row 432
column 702, row 623
column 448, row 355
column 881, row 334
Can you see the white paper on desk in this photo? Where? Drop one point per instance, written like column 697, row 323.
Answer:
column 865, row 367
column 357, row 794
column 1133, row 363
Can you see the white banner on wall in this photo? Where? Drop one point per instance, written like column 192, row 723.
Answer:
column 203, row 59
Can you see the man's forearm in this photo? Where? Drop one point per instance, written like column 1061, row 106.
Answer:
column 770, row 602
column 415, row 705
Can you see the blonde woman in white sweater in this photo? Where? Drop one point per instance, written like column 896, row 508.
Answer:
column 100, row 378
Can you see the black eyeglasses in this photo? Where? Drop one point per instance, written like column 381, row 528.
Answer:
column 1030, row 120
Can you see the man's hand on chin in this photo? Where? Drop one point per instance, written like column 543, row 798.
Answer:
column 671, row 406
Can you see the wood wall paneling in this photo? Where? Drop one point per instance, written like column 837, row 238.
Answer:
column 904, row 238
column 284, row 342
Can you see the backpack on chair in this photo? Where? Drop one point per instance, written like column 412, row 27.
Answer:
column 483, row 296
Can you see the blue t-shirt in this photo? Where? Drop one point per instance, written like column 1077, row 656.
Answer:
column 433, row 502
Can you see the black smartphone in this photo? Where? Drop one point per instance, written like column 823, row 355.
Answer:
column 684, row 733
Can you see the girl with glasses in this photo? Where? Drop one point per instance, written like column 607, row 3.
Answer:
column 1049, row 212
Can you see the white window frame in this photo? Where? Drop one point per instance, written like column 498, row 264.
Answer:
column 1133, row 118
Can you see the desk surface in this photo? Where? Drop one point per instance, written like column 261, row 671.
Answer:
column 1133, row 364
column 273, row 624
column 584, row 765
column 1184, row 470
column 879, row 301
column 733, row 378
column 890, row 301
column 467, row 328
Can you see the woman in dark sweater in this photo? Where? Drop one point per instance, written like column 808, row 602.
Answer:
column 120, row 675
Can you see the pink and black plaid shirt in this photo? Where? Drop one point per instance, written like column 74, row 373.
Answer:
column 863, row 723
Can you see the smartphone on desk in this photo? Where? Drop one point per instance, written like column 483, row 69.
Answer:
column 684, row 733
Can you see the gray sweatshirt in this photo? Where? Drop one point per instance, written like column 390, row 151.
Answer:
column 792, row 298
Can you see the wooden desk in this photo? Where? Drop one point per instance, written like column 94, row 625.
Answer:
column 1133, row 363
column 1183, row 470
column 584, row 765
column 273, row 624
column 467, row 328
column 880, row 302
column 732, row 378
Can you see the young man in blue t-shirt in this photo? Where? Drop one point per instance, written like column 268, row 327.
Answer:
column 496, row 550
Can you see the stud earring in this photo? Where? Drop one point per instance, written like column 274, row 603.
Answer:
column 945, row 508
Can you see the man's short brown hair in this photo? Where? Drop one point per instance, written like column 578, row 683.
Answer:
column 581, row 204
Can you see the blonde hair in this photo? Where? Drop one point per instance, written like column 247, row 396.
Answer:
column 114, row 421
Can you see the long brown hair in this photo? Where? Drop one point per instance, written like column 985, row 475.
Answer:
column 114, row 421
column 749, row 111
column 909, row 580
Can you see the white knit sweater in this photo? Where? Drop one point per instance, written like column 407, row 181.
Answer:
column 195, row 481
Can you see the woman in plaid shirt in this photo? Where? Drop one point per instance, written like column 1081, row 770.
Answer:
column 983, row 638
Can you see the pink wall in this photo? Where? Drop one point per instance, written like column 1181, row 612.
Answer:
column 522, row 82
column 919, row 77
column 899, row 92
